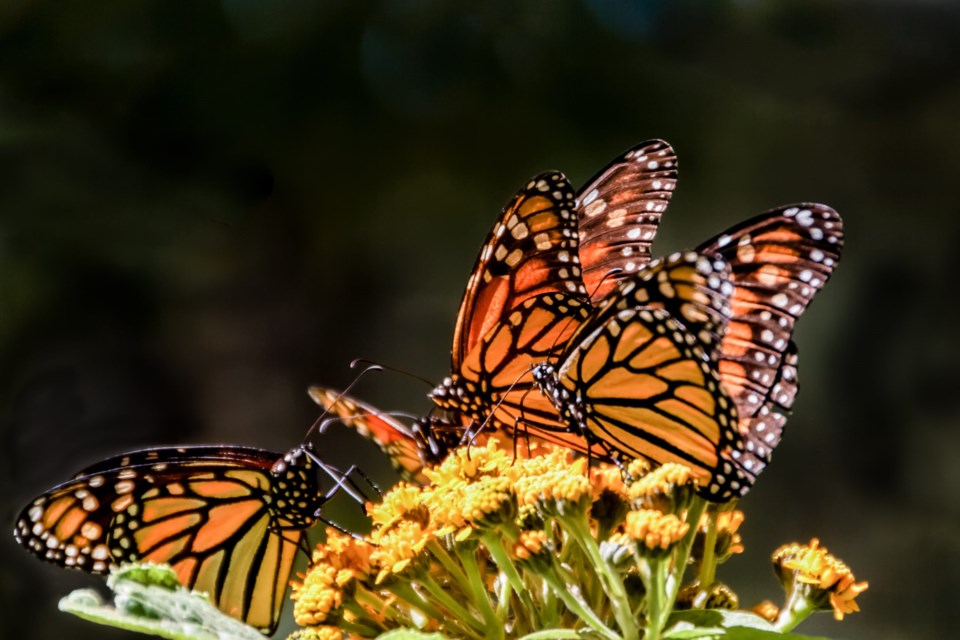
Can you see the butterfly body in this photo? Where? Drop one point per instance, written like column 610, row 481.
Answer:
column 229, row 520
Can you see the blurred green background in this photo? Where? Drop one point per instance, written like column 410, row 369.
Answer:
column 206, row 206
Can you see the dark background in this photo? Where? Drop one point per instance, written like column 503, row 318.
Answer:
column 207, row 206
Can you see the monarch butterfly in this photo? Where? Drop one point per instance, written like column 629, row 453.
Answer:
column 639, row 375
column 524, row 297
column 228, row 519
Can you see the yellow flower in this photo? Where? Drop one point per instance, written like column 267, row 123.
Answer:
column 544, row 459
column 489, row 502
column 317, row 633
column 468, row 463
column 607, row 479
column 344, row 552
column 556, row 491
column 821, row 577
column 397, row 549
column 403, row 502
column 529, row 544
column 638, row 468
column 653, row 530
column 318, row 597
column 668, row 488
column 728, row 541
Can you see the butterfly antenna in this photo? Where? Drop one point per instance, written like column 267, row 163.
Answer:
column 322, row 427
column 385, row 367
column 320, row 418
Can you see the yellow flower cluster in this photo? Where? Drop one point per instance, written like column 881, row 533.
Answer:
column 820, row 576
column 494, row 538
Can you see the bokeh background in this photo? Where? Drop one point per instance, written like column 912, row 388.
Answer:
column 206, row 206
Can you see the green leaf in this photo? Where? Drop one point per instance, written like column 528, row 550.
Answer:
column 711, row 624
column 148, row 599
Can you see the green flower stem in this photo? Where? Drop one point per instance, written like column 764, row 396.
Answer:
column 708, row 564
column 450, row 603
column 408, row 594
column 366, row 598
column 797, row 609
column 577, row 527
column 653, row 572
column 360, row 630
column 440, row 553
column 500, row 556
column 682, row 552
column 576, row 604
column 550, row 609
column 550, row 634
column 478, row 592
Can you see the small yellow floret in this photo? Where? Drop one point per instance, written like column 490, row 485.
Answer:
column 825, row 576
column 529, row 544
column 655, row 530
column 318, row 596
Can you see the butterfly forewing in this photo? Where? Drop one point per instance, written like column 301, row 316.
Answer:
column 619, row 212
column 530, row 251
column 409, row 451
column 779, row 260
column 523, row 301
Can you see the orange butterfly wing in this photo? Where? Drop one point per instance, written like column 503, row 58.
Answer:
column 408, row 449
column 779, row 260
column 619, row 212
column 640, row 374
column 212, row 513
column 523, row 300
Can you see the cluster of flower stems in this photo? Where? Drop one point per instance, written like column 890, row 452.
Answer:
column 543, row 546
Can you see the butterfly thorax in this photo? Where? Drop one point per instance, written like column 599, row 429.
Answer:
column 295, row 491
column 571, row 407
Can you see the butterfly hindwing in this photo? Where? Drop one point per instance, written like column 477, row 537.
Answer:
column 778, row 261
column 619, row 212
column 523, row 300
column 217, row 515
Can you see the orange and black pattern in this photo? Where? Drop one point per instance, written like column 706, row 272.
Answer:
column 410, row 448
column 778, row 261
column 619, row 212
column 640, row 375
column 524, row 299
column 230, row 521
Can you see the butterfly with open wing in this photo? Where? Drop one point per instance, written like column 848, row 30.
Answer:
column 228, row 519
column 778, row 261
